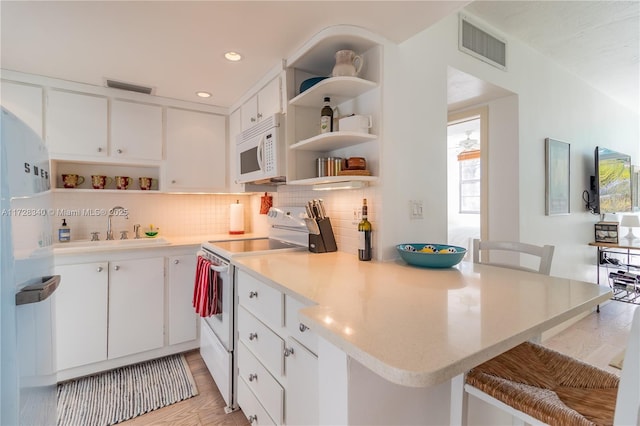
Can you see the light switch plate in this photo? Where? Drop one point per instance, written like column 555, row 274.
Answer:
column 415, row 209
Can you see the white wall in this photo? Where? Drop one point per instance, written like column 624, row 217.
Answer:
column 549, row 102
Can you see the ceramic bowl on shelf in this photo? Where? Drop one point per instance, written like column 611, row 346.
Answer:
column 310, row 82
column 431, row 255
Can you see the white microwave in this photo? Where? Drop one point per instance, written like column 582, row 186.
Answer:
column 260, row 152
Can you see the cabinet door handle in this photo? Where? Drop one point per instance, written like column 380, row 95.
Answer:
column 259, row 115
column 173, row 181
column 253, row 377
column 116, row 268
column 175, row 262
column 303, row 328
column 253, row 119
column 253, row 294
column 252, row 418
column 99, row 269
column 253, row 336
column 288, row 351
column 119, row 151
column 99, row 149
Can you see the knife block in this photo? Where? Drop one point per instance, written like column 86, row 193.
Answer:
column 325, row 241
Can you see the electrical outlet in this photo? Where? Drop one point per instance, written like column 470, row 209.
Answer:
column 357, row 215
column 415, row 209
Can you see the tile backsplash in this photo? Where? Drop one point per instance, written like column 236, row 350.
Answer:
column 195, row 215
column 177, row 215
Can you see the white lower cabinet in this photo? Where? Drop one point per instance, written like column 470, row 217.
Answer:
column 277, row 374
column 302, row 385
column 81, row 314
column 136, row 306
column 111, row 309
column 252, row 408
column 183, row 321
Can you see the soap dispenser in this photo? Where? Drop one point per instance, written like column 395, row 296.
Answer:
column 64, row 232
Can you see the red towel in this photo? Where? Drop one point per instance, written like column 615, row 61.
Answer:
column 206, row 295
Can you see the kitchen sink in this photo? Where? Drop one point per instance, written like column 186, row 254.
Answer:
column 87, row 245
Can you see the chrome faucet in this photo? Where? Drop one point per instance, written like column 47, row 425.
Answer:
column 120, row 211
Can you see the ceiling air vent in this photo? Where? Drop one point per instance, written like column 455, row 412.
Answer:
column 115, row 84
column 479, row 43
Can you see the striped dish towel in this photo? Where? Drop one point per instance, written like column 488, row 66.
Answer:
column 206, row 294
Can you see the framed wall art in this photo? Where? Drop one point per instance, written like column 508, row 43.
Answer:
column 557, row 177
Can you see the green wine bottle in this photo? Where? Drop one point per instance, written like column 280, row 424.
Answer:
column 364, row 233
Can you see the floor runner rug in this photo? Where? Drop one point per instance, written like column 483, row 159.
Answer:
column 124, row 393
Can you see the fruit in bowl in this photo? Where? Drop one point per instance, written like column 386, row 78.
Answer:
column 151, row 231
column 431, row 255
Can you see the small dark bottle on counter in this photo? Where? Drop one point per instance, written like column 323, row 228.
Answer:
column 364, row 234
column 326, row 117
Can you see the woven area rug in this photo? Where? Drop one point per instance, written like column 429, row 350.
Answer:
column 124, row 393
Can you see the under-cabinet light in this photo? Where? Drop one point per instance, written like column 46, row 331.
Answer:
column 204, row 94
column 352, row 184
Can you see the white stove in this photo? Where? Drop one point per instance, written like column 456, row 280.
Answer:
column 287, row 232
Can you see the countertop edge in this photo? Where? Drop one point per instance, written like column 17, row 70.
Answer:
column 424, row 379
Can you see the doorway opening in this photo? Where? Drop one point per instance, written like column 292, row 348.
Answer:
column 466, row 177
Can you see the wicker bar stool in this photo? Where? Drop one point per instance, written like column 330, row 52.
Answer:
column 540, row 386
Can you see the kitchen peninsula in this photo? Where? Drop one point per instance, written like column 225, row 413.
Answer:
column 394, row 334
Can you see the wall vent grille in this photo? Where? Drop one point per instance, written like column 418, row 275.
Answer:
column 115, row 84
column 482, row 45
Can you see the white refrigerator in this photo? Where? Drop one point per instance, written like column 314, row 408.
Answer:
column 27, row 298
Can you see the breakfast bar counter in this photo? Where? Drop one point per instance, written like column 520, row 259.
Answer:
column 417, row 327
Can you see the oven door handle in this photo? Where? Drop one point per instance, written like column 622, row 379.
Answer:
column 220, row 268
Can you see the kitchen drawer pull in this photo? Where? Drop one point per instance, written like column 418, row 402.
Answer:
column 116, row 268
column 288, row 351
column 99, row 149
column 252, row 418
column 253, row 377
column 175, row 262
column 99, row 269
column 303, row 328
column 253, row 294
column 253, row 336
column 119, row 151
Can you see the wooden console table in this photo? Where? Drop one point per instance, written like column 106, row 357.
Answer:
column 625, row 288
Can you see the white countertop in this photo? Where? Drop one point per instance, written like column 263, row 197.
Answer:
column 86, row 246
column 420, row 327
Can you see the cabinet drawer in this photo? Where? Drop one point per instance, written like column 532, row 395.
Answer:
column 263, row 301
column 267, row 346
column 295, row 328
column 264, row 386
column 251, row 407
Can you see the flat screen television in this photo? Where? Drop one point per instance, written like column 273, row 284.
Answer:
column 613, row 181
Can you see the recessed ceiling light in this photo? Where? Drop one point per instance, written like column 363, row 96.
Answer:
column 204, row 94
column 233, row 56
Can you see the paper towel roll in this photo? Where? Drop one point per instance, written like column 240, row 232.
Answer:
column 236, row 218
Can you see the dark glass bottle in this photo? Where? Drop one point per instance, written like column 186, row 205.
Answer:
column 364, row 234
column 326, row 117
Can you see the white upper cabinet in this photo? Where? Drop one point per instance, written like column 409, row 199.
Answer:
column 234, row 131
column 266, row 102
column 136, row 130
column 196, row 151
column 76, row 124
column 25, row 101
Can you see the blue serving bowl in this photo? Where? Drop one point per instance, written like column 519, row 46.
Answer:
column 310, row 82
column 412, row 254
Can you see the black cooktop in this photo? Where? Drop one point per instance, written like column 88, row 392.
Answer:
column 247, row 246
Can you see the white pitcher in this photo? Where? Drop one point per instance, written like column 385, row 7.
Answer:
column 348, row 64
